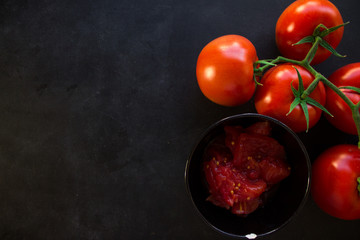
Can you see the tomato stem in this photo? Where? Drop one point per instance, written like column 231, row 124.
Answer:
column 311, row 54
column 311, row 87
column 338, row 92
column 272, row 62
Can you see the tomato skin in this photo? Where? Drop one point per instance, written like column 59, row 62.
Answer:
column 224, row 70
column 334, row 182
column 299, row 20
column 348, row 75
column 275, row 96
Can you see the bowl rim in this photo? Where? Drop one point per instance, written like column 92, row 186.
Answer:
column 249, row 115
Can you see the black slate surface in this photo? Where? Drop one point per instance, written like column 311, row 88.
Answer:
column 100, row 109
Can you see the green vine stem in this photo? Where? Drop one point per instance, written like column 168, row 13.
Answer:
column 310, row 55
column 317, row 40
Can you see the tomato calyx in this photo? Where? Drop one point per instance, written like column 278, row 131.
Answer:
column 304, row 99
column 358, row 188
column 318, row 35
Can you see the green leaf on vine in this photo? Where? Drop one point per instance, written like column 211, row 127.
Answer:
column 306, row 113
column 313, row 102
column 295, row 92
column 293, row 105
column 327, row 31
column 301, row 84
column 318, row 31
column 308, row 39
column 327, row 46
column 321, row 31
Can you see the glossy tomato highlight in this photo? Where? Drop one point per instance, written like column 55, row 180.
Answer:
column 225, row 72
column 299, row 20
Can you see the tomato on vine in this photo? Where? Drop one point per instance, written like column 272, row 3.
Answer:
column 335, row 185
column 224, row 70
column 348, row 75
column 276, row 96
column 299, row 20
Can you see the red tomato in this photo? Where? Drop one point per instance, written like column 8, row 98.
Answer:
column 334, row 181
column 348, row 75
column 224, row 70
column 299, row 20
column 275, row 96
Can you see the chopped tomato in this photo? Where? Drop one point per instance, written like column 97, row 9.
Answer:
column 262, row 128
column 243, row 165
column 232, row 133
column 245, row 207
column 227, row 184
column 251, row 146
column 273, row 170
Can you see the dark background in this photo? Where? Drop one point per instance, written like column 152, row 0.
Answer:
column 100, row 109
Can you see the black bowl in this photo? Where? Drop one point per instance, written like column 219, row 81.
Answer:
column 288, row 199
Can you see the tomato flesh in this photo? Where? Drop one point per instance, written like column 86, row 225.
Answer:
column 242, row 165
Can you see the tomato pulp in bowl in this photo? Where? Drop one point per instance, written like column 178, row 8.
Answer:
column 288, row 198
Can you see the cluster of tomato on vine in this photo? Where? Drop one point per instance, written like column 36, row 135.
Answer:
column 289, row 88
